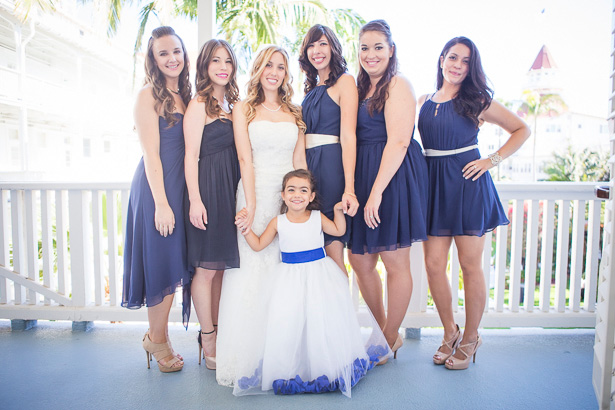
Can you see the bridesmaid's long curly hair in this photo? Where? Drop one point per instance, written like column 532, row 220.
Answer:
column 474, row 95
column 337, row 64
column 204, row 85
column 303, row 174
column 255, row 95
column 153, row 76
column 381, row 94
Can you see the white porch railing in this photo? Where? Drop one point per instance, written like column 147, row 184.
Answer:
column 61, row 257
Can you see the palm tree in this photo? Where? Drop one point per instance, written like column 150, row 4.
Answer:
column 246, row 24
column 585, row 165
column 536, row 105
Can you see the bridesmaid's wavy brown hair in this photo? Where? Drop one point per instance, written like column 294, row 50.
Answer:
column 204, row 85
column 337, row 64
column 381, row 94
column 474, row 95
column 153, row 75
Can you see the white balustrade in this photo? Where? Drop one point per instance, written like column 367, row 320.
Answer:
column 61, row 257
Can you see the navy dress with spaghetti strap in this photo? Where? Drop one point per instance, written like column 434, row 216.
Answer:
column 403, row 210
column 323, row 116
column 456, row 206
column 155, row 265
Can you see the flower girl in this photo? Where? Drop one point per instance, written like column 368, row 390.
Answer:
column 313, row 342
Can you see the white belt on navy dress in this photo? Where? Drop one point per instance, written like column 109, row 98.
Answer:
column 316, row 140
column 441, row 153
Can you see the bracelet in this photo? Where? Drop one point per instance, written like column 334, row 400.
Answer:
column 351, row 194
column 495, row 158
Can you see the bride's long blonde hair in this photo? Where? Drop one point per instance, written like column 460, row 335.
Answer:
column 255, row 94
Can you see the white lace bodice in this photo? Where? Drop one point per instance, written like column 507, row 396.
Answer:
column 245, row 291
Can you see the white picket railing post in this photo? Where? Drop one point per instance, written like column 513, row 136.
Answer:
column 62, row 240
column 514, row 283
column 531, row 253
column 97, row 238
column 546, row 254
column 47, row 241
column 561, row 267
column 4, row 242
column 79, row 244
column 31, row 243
column 19, row 260
column 576, row 259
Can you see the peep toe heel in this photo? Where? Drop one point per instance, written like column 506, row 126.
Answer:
column 161, row 351
column 440, row 357
column 469, row 351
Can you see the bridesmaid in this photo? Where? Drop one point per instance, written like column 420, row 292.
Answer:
column 391, row 181
column 155, row 249
column 463, row 202
column 212, row 174
column 330, row 114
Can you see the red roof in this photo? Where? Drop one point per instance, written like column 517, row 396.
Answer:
column 543, row 60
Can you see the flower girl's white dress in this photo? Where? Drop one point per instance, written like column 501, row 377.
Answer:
column 313, row 342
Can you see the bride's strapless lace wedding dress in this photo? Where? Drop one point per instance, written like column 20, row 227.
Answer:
column 245, row 291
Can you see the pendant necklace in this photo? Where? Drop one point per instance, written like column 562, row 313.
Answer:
column 173, row 91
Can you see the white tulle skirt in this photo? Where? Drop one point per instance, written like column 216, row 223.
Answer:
column 312, row 342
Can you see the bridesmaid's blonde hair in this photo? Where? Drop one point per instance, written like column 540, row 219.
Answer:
column 255, row 95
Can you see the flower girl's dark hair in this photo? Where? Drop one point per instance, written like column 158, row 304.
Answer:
column 303, row 174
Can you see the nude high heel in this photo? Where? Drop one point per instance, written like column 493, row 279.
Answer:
column 399, row 342
column 470, row 351
column 440, row 357
column 160, row 351
column 210, row 361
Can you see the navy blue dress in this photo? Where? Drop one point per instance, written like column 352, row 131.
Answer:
column 154, row 265
column 216, row 247
column 457, row 206
column 323, row 116
column 403, row 210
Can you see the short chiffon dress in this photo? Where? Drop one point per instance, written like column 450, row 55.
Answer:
column 323, row 116
column 155, row 265
column 313, row 342
column 216, row 247
column 456, row 206
column 403, row 210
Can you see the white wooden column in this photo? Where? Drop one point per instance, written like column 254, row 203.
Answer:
column 206, row 12
column 604, row 366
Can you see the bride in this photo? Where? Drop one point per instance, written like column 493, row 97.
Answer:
column 269, row 135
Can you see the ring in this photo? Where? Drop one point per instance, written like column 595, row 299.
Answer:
column 371, row 217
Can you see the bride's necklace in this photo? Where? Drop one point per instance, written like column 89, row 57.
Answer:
column 173, row 91
column 269, row 109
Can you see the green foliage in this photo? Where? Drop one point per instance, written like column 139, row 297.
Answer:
column 248, row 24
column 585, row 165
column 24, row 8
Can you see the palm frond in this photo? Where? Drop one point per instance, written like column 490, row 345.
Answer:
column 23, row 8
